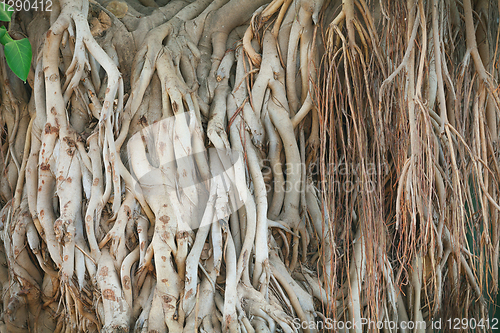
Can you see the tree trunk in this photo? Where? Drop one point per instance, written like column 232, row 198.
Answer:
column 251, row 166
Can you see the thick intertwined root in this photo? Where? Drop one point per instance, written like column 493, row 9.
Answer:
column 137, row 226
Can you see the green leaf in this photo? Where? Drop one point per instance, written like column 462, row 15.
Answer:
column 6, row 12
column 18, row 55
column 4, row 35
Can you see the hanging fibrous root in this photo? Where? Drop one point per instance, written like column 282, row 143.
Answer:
column 419, row 181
